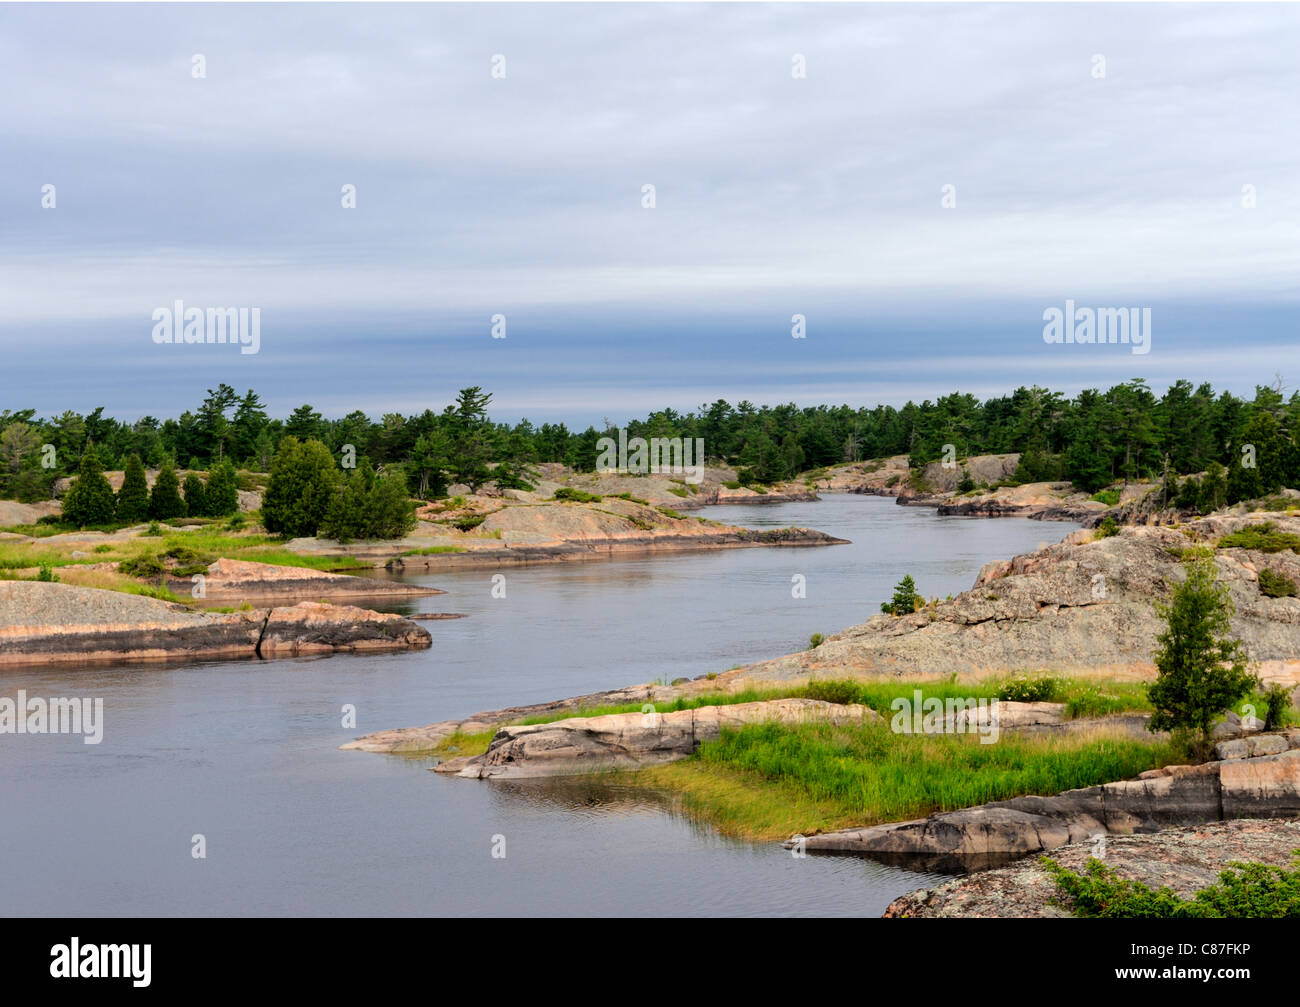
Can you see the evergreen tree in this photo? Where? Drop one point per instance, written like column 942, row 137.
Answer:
column 905, row 600
column 89, row 500
column 1201, row 668
column 165, row 498
column 299, row 492
column 222, row 492
column 133, row 497
column 196, row 504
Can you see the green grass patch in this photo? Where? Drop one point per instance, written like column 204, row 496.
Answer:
column 576, row 495
column 1109, row 497
column 744, row 783
column 434, row 550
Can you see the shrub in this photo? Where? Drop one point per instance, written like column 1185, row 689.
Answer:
column 236, row 522
column 301, row 486
column 144, row 565
column 905, row 600
column 1277, row 700
column 830, row 691
column 732, row 484
column 133, row 497
column 965, row 484
column 89, row 499
column 815, row 641
column 669, row 512
column 469, row 523
column 1107, row 527
column 1109, row 497
column 165, row 499
column 1244, row 891
column 1025, row 689
column 1276, row 585
column 576, row 495
column 153, row 531
column 1264, row 537
column 46, row 574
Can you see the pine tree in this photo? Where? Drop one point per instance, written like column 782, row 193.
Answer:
column 165, row 499
column 905, row 600
column 89, row 500
column 133, row 497
column 222, row 492
column 196, row 504
column 1201, row 667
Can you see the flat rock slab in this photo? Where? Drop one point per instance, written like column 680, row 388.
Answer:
column 50, row 622
column 239, row 580
column 1185, row 859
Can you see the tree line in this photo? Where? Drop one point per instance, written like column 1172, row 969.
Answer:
column 1092, row 439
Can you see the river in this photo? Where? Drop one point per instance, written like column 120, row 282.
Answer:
column 245, row 754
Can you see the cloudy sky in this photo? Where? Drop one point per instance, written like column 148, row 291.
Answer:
column 774, row 195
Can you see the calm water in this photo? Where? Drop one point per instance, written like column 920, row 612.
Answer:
column 246, row 753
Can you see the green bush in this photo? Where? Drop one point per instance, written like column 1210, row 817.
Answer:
column 1026, row 689
column 89, row 500
column 1109, row 497
column 1277, row 702
column 144, row 565
column 831, row 691
column 815, row 641
column 1244, row 891
column 469, row 523
column 1276, row 585
column 1107, row 527
column 46, row 574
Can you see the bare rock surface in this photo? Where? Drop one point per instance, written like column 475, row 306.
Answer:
column 51, row 622
column 232, row 579
column 1082, row 606
column 1185, row 859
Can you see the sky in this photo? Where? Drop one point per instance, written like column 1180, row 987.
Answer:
column 1112, row 155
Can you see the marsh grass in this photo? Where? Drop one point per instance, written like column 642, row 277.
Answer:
column 768, row 781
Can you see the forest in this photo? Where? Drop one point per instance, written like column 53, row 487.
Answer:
column 1093, row 439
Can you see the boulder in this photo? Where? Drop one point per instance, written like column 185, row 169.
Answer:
column 635, row 740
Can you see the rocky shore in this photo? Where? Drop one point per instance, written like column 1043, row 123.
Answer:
column 1267, row 786
column 41, row 623
column 1080, row 607
column 1185, row 859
